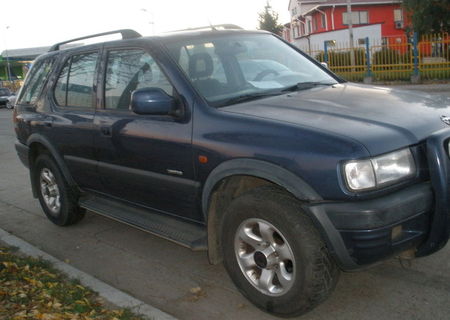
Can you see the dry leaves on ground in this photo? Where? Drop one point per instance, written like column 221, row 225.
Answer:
column 31, row 289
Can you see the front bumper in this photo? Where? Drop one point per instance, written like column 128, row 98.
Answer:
column 363, row 232
column 360, row 233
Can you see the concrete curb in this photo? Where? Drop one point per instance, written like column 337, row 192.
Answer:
column 107, row 292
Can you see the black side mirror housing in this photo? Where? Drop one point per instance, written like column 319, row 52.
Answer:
column 152, row 101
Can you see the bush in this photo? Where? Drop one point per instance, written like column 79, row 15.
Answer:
column 342, row 58
column 387, row 56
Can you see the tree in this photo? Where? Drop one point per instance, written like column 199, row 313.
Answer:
column 429, row 16
column 268, row 20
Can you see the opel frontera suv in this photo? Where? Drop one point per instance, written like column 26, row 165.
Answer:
column 237, row 143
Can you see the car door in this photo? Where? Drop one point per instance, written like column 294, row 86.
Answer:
column 144, row 159
column 72, row 101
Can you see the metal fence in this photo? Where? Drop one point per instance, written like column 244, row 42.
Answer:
column 393, row 58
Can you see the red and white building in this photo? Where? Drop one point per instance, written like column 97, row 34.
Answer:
column 314, row 22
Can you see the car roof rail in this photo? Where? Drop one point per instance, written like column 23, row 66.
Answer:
column 126, row 34
column 213, row 27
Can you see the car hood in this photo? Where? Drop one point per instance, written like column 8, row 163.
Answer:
column 382, row 119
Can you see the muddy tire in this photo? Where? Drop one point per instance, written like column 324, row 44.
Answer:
column 274, row 254
column 58, row 201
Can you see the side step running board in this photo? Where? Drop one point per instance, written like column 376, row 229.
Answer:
column 181, row 232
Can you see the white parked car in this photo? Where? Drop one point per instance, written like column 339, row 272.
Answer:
column 7, row 98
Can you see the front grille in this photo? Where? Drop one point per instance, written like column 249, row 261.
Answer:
column 438, row 160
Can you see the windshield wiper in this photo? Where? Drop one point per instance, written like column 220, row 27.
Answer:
column 249, row 97
column 307, row 85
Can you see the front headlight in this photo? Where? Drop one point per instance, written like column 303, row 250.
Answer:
column 379, row 171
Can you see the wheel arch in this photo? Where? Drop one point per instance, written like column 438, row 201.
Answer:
column 232, row 178
column 38, row 144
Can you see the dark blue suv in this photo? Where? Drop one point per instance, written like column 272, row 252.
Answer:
column 237, row 143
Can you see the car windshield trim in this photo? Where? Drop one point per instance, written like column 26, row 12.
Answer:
column 247, row 97
column 307, row 85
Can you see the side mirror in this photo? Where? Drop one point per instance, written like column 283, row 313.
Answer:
column 324, row 64
column 152, row 101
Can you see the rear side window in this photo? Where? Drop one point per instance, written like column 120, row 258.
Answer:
column 129, row 70
column 35, row 82
column 75, row 83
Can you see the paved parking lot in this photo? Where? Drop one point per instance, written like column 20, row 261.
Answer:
column 162, row 274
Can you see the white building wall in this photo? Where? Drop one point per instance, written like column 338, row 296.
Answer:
column 316, row 41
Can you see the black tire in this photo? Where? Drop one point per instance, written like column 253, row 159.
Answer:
column 314, row 272
column 9, row 105
column 69, row 212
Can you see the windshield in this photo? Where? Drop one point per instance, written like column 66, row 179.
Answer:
column 232, row 68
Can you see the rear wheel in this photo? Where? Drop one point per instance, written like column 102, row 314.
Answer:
column 274, row 254
column 55, row 196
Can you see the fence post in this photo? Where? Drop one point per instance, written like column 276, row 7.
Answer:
column 325, row 49
column 368, row 77
column 415, row 78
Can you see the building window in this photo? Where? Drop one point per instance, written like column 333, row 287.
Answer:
column 358, row 17
column 309, row 27
column 398, row 15
column 294, row 11
column 324, row 22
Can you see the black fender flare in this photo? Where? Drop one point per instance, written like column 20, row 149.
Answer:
column 285, row 179
column 248, row 167
column 39, row 138
column 260, row 169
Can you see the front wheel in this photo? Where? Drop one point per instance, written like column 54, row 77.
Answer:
column 55, row 196
column 274, row 254
column 9, row 105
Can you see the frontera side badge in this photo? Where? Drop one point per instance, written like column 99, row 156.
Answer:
column 446, row 119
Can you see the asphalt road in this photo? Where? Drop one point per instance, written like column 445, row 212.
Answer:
column 162, row 274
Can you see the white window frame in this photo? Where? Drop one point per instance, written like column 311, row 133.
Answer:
column 398, row 13
column 356, row 17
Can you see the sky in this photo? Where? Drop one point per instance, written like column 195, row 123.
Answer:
column 34, row 23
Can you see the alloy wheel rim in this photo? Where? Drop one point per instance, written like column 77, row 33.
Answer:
column 264, row 257
column 50, row 191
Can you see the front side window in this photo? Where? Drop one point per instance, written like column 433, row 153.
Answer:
column 129, row 70
column 247, row 65
column 35, row 81
column 75, row 85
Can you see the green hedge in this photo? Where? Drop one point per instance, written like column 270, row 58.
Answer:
column 342, row 58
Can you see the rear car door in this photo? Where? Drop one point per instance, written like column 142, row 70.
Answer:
column 73, row 102
column 144, row 159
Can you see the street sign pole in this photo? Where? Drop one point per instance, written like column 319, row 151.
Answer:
column 350, row 33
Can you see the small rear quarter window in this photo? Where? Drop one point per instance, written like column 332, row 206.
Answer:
column 35, row 82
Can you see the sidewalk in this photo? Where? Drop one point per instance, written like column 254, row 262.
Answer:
column 105, row 291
